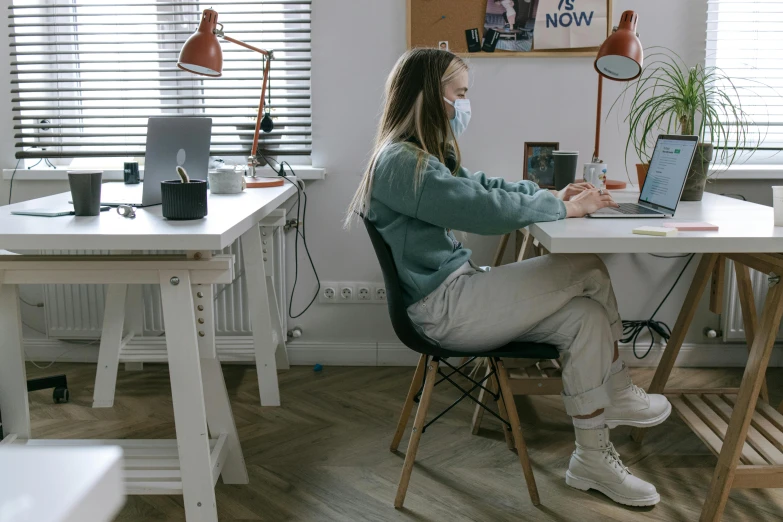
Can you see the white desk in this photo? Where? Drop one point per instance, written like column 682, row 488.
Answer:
column 744, row 227
column 230, row 215
column 192, row 464
column 44, row 484
column 748, row 456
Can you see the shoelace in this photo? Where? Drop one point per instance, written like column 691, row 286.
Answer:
column 638, row 391
column 614, row 458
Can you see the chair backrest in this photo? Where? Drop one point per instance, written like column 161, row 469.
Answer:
column 402, row 324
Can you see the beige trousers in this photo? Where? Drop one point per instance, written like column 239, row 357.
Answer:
column 563, row 300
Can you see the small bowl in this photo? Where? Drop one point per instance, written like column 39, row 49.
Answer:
column 184, row 200
column 226, row 181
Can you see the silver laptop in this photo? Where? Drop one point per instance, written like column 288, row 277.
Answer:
column 669, row 166
column 171, row 142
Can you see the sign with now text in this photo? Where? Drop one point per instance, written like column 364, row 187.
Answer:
column 569, row 24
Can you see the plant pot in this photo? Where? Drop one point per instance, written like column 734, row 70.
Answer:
column 641, row 173
column 697, row 175
column 184, row 200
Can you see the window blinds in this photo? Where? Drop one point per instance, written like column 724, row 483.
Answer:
column 745, row 40
column 87, row 75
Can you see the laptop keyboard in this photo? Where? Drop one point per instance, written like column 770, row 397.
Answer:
column 633, row 208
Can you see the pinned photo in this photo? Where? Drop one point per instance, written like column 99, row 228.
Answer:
column 443, row 46
column 514, row 21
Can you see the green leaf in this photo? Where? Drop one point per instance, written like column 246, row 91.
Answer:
column 670, row 97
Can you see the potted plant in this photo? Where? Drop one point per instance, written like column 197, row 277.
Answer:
column 671, row 98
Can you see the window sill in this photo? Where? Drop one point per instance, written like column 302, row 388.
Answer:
column 305, row 172
column 747, row 172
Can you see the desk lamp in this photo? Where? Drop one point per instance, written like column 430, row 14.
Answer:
column 619, row 58
column 201, row 54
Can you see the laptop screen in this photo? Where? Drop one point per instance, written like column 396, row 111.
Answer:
column 668, row 169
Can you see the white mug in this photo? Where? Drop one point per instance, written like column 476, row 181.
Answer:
column 226, row 181
column 595, row 174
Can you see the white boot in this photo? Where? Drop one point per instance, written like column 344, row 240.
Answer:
column 631, row 406
column 596, row 465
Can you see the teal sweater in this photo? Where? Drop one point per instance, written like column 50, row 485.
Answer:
column 417, row 223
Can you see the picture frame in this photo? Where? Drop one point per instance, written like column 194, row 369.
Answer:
column 539, row 163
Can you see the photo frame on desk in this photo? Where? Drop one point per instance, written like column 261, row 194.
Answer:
column 539, row 163
column 432, row 21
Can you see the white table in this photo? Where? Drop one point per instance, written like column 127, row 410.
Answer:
column 192, row 464
column 743, row 227
column 45, row 484
column 743, row 430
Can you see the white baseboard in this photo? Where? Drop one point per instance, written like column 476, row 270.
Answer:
column 240, row 350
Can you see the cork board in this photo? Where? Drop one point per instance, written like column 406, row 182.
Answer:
column 434, row 21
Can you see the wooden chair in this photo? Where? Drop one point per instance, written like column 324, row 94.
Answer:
column 430, row 372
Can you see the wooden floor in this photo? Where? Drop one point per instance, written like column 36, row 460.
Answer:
column 324, row 455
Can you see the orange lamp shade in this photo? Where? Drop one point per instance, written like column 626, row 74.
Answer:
column 620, row 56
column 201, row 53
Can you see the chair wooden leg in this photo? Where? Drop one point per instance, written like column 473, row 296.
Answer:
column 500, row 252
column 516, row 429
column 418, row 424
column 408, row 405
column 528, row 250
column 478, row 413
column 502, row 410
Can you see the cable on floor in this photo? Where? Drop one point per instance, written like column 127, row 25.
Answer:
column 632, row 329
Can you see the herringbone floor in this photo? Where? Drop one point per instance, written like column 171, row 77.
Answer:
column 324, row 455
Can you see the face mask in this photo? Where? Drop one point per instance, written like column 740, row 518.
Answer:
column 461, row 116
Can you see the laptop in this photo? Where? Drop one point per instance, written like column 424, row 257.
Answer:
column 669, row 166
column 171, row 142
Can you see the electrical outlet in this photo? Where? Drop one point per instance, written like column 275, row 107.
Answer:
column 350, row 292
column 328, row 293
column 346, row 294
column 363, row 293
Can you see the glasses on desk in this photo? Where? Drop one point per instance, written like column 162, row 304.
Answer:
column 126, row 211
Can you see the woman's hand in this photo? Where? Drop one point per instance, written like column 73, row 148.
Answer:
column 572, row 190
column 587, row 202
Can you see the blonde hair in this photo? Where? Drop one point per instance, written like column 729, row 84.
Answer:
column 414, row 112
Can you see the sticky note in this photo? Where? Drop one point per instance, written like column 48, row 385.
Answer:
column 692, row 226
column 655, row 231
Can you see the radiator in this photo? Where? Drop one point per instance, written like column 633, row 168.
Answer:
column 733, row 327
column 76, row 311
column 231, row 312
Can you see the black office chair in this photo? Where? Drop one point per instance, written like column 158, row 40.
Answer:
column 432, row 356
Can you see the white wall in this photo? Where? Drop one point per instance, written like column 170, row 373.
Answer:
column 514, row 100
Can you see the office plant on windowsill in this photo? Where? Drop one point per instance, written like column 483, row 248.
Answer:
column 671, row 98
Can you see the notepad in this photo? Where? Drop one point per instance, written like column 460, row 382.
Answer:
column 692, row 226
column 655, row 231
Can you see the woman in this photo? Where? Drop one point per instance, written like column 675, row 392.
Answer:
column 415, row 191
column 511, row 13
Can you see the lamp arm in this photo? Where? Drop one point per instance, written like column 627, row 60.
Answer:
column 252, row 160
column 598, row 119
column 241, row 43
column 260, row 109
